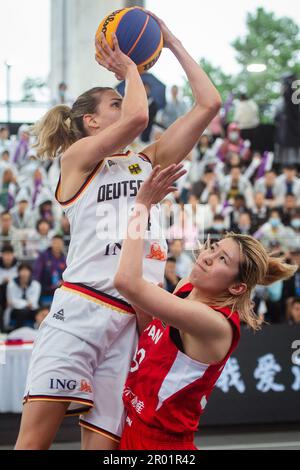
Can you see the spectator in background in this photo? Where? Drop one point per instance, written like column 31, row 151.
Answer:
column 9, row 234
column 274, row 233
column 267, row 185
column 287, row 122
column 8, row 190
column 293, row 311
column 259, row 211
column 287, row 183
column 153, row 108
column 210, row 210
column 20, row 151
column 292, row 285
column 218, row 228
column 173, row 109
column 184, row 228
column 5, row 143
column 295, row 230
column 234, row 143
column 171, row 278
column 39, row 239
column 22, row 299
column 21, row 214
column 236, row 184
column 289, row 209
column 184, row 262
column 246, row 115
column 48, row 269
column 233, row 212
column 244, row 225
column 62, row 90
column 26, row 333
column 8, row 271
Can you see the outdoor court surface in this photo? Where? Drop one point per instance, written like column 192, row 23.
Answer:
column 263, row 437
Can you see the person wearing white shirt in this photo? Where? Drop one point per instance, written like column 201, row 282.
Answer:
column 23, row 295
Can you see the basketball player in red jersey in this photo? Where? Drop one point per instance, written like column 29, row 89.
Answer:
column 89, row 318
column 184, row 348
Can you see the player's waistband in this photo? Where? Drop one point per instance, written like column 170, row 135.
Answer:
column 98, row 296
column 155, row 434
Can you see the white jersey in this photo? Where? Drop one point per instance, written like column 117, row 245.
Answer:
column 98, row 216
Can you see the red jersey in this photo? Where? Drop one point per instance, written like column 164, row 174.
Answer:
column 165, row 388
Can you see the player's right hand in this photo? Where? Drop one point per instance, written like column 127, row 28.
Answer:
column 113, row 60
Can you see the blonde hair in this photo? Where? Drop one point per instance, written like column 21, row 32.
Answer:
column 256, row 267
column 62, row 126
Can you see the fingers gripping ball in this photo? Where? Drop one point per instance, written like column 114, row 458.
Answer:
column 138, row 34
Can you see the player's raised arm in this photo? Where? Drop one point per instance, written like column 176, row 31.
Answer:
column 179, row 139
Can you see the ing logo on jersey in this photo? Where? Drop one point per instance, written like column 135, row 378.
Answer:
column 135, row 169
column 157, row 253
column 111, row 163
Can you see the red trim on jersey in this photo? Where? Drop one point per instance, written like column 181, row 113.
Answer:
column 82, row 188
column 108, row 299
column 145, row 157
column 87, row 181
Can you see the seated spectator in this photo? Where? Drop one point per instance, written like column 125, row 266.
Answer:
column 292, row 285
column 48, row 269
column 5, row 142
column 21, row 147
column 184, row 262
column 233, row 212
column 218, row 229
column 244, row 225
column 8, row 190
column 21, row 214
column 38, row 240
column 208, row 211
column 267, row 185
column 171, row 278
column 288, row 183
column 8, row 271
column 235, row 183
column 295, row 231
column 173, row 109
column 184, row 228
column 289, row 209
column 293, row 311
column 234, row 143
column 27, row 333
column 22, row 299
column 9, row 234
column 274, row 232
column 259, row 211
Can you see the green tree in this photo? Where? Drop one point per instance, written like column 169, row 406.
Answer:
column 269, row 40
column 272, row 41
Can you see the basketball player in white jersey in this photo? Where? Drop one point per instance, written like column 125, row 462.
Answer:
column 84, row 348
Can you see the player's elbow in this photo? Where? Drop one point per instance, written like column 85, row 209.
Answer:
column 123, row 284
column 138, row 121
column 215, row 104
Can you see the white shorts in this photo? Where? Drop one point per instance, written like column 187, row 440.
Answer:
column 82, row 355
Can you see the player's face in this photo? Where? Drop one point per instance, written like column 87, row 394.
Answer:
column 217, row 267
column 109, row 109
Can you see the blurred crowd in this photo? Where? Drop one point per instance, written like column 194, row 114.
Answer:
column 229, row 186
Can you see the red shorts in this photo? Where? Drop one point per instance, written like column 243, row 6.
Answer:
column 138, row 436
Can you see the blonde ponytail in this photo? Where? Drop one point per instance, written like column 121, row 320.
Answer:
column 53, row 132
column 277, row 270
